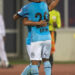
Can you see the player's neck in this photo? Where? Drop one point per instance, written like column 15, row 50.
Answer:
column 37, row 0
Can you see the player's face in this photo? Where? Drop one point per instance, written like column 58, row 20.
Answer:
column 36, row 0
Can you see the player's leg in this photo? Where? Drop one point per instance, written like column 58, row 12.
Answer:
column 55, row 35
column 51, row 60
column 27, row 70
column 45, row 56
column 34, row 68
column 47, row 67
column 3, row 56
column 52, row 47
column 35, row 57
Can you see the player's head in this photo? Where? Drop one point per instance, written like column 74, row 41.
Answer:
column 36, row 0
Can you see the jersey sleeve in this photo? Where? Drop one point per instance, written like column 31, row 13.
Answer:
column 23, row 12
column 58, row 20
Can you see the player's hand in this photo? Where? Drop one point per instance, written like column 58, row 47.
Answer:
column 54, row 24
column 43, row 23
column 15, row 16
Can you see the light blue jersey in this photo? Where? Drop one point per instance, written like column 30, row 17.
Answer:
column 35, row 12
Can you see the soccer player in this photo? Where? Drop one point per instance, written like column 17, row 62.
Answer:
column 54, row 23
column 35, row 16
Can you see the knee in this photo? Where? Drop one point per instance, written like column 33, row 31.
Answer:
column 34, row 68
column 47, row 64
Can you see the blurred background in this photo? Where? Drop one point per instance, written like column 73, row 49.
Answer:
column 16, row 32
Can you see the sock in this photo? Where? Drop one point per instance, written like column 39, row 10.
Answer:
column 47, row 68
column 27, row 70
column 34, row 70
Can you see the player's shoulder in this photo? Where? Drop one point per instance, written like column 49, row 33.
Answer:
column 57, row 11
column 49, row 12
column 27, row 5
column 54, row 11
column 44, row 3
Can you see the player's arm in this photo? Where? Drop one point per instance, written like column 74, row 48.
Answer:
column 58, row 20
column 54, row 24
column 53, row 4
column 57, row 23
column 21, row 13
column 26, row 22
column 16, row 16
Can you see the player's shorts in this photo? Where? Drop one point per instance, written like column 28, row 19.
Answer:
column 28, row 49
column 39, row 50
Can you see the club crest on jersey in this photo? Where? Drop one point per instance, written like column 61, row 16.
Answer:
column 20, row 11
